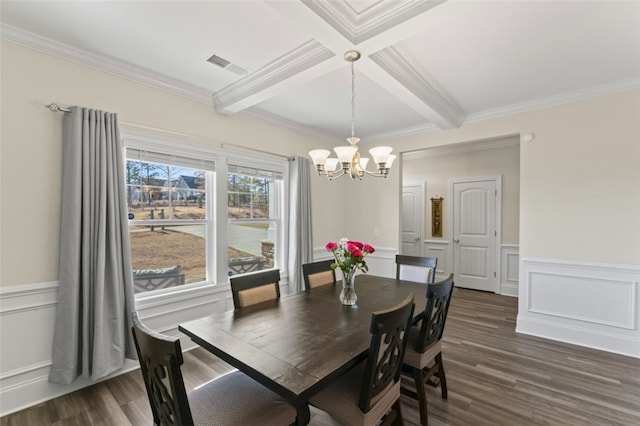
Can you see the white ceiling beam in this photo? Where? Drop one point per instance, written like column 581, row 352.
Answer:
column 387, row 22
column 299, row 66
column 373, row 32
column 418, row 93
column 336, row 29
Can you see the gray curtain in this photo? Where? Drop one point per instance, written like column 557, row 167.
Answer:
column 300, row 232
column 92, row 334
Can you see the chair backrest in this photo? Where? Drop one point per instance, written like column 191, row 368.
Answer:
column 435, row 313
column 386, row 351
column 160, row 360
column 416, row 268
column 318, row 273
column 256, row 287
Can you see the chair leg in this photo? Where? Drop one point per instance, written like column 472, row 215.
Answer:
column 398, row 421
column 422, row 398
column 441, row 375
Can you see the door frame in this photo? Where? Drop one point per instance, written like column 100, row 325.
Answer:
column 498, row 206
column 423, row 191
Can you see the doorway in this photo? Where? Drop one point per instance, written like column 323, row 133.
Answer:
column 436, row 167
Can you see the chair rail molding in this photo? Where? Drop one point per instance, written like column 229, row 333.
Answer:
column 382, row 262
column 588, row 304
column 28, row 313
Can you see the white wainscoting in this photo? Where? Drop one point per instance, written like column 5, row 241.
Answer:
column 509, row 269
column 440, row 250
column 509, row 265
column 588, row 304
column 27, row 314
column 382, row 262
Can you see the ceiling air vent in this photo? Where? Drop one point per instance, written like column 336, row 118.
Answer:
column 223, row 63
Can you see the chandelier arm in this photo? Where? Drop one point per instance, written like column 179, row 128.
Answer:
column 354, row 168
column 383, row 174
column 337, row 176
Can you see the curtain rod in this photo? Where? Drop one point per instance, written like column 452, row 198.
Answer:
column 53, row 107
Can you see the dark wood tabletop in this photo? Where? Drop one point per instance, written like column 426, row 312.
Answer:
column 299, row 343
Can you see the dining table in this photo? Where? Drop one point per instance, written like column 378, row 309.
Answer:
column 301, row 342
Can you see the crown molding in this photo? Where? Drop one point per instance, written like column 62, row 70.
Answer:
column 237, row 96
column 464, row 147
column 401, row 133
column 359, row 26
column 104, row 64
column 441, row 111
column 262, row 115
column 551, row 101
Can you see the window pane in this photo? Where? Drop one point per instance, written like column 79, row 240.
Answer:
column 167, row 256
column 163, row 191
column 253, row 222
column 251, row 246
column 165, row 253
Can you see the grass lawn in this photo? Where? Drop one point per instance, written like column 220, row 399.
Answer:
column 164, row 248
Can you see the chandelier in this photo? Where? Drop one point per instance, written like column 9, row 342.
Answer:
column 349, row 161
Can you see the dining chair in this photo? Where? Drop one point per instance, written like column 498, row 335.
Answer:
column 423, row 356
column 255, row 287
column 370, row 392
column 317, row 274
column 231, row 399
column 416, row 268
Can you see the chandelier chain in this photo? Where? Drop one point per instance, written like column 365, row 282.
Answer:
column 349, row 161
column 353, row 100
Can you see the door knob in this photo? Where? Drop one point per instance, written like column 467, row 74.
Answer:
column 456, row 240
column 417, row 239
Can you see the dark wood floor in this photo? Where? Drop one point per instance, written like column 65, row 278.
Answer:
column 495, row 377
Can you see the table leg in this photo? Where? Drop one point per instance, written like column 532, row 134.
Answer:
column 303, row 416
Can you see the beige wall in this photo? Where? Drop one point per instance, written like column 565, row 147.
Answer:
column 579, row 179
column 30, row 150
column 437, row 166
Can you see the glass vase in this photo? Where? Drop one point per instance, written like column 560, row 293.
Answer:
column 348, row 294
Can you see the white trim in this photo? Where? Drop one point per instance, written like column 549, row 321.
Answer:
column 105, row 64
column 248, row 91
column 550, row 101
column 382, row 262
column 28, row 316
column 509, row 270
column 590, row 304
column 441, row 251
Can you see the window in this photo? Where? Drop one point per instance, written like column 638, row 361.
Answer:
column 169, row 219
column 178, row 197
column 254, row 218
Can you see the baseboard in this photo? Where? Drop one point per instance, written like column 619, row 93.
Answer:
column 28, row 317
column 588, row 304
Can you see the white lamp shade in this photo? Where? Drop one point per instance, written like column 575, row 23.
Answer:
column 345, row 153
column 331, row 164
column 319, row 156
column 362, row 165
column 390, row 161
column 380, row 154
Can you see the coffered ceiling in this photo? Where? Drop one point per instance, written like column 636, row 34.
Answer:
column 425, row 64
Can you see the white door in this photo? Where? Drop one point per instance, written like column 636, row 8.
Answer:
column 412, row 219
column 475, row 234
